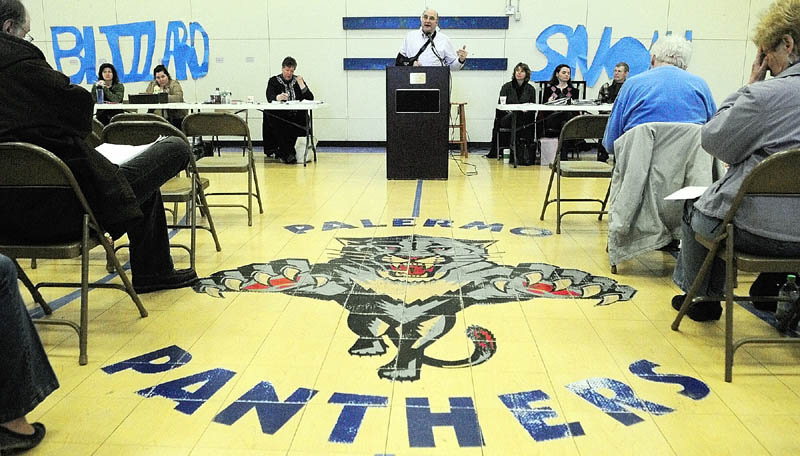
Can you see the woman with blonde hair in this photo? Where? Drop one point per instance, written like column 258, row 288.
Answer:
column 753, row 123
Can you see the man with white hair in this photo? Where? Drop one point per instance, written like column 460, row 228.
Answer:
column 428, row 46
column 665, row 93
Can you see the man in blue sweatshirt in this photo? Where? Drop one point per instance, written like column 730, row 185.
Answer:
column 665, row 93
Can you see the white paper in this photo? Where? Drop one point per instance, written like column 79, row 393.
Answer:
column 121, row 153
column 687, row 193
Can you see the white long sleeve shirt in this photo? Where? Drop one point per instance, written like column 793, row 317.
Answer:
column 441, row 45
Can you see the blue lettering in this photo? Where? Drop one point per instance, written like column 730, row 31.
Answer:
column 188, row 402
column 533, row 419
column 692, row 387
column 334, row 225
column 462, row 418
column 272, row 413
column 185, row 54
column 591, row 390
column 84, row 51
column 355, row 407
column 146, row 364
column 495, row 227
column 403, row 222
column 444, row 223
column 367, row 223
column 530, row 231
column 137, row 31
column 299, row 229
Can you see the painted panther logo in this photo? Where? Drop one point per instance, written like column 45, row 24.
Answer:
column 408, row 289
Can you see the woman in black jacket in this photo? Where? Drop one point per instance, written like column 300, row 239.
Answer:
column 515, row 91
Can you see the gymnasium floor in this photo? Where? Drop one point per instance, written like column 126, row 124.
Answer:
column 292, row 343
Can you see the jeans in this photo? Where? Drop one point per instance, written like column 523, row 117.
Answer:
column 692, row 253
column 146, row 173
column 26, row 377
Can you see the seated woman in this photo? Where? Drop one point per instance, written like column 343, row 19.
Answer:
column 163, row 83
column 27, row 375
column 281, row 129
column 113, row 91
column 756, row 121
column 560, row 86
column 515, row 91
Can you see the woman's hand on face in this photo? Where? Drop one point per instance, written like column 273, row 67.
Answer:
column 301, row 82
column 759, row 70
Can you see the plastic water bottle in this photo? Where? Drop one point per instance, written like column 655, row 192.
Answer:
column 100, row 95
column 788, row 294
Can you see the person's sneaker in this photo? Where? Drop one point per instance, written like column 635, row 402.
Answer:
column 13, row 442
column 699, row 311
column 178, row 278
column 490, row 155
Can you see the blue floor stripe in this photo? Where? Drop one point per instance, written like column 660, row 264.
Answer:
column 417, row 199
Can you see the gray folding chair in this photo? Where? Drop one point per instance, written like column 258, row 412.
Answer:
column 580, row 127
column 776, row 176
column 28, row 168
column 187, row 190
column 213, row 124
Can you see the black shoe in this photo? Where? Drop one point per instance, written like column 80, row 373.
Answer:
column 13, row 442
column 699, row 311
column 767, row 284
column 178, row 278
column 291, row 160
column 491, row 155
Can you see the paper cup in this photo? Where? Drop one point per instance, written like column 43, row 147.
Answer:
column 502, row 100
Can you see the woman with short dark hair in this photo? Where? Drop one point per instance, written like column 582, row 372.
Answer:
column 516, row 91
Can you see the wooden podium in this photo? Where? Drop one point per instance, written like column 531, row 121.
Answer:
column 417, row 122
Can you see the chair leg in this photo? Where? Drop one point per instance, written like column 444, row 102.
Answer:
column 37, row 297
column 191, row 206
column 255, row 181
column 250, row 174
column 126, row 281
column 558, row 203
column 34, row 265
column 704, row 269
column 83, row 332
column 204, row 204
column 547, row 194
column 730, row 279
column 605, row 201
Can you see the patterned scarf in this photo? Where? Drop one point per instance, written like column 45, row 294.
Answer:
column 288, row 87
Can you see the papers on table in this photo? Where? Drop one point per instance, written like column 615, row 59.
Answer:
column 121, row 153
column 687, row 193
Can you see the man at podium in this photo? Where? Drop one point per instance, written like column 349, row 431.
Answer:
column 428, row 46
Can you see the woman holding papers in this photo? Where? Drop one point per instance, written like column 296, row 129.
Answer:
column 758, row 120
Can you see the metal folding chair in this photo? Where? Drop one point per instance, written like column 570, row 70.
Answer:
column 214, row 124
column 25, row 167
column 189, row 190
column 580, row 127
column 776, row 176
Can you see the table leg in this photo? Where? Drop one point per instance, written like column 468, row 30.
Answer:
column 513, row 138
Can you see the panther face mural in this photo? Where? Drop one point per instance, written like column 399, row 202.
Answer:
column 408, row 289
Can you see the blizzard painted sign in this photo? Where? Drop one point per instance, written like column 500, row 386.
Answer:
column 181, row 46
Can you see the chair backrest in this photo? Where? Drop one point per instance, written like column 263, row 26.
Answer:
column 26, row 167
column 138, row 132
column 776, row 175
column 128, row 116
column 585, row 126
column 215, row 124
column 97, row 127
